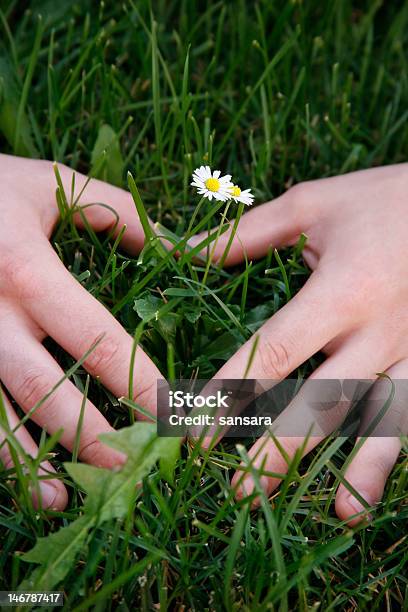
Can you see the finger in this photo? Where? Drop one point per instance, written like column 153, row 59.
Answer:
column 52, row 493
column 367, row 474
column 76, row 320
column 293, row 334
column 288, row 339
column 96, row 200
column 356, row 358
column 369, row 470
column 30, row 373
column 273, row 224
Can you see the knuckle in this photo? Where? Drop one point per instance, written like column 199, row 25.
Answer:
column 92, row 452
column 105, row 349
column 301, row 193
column 16, row 274
column 146, row 396
column 304, row 198
column 98, row 454
column 275, row 359
column 33, row 387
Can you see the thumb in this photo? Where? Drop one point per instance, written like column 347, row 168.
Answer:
column 273, row 224
column 105, row 207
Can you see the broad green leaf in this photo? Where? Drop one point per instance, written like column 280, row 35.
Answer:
column 133, row 440
column 169, row 459
column 147, row 307
column 193, row 314
column 167, row 326
column 258, row 315
column 102, row 489
column 56, row 554
column 224, row 346
column 109, row 496
column 107, row 161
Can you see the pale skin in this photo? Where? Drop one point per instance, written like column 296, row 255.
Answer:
column 353, row 308
column 40, row 298
column 357, row 248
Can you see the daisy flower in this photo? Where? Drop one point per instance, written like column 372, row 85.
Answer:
column 212, row 184
column 246, row 197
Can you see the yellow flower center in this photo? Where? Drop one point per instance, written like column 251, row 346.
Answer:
column 235, row 190
column 212, row 184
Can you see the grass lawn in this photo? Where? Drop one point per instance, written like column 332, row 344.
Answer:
column 275, row 92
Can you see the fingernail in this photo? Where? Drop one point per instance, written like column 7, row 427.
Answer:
column 48, row 494
column 358, row 506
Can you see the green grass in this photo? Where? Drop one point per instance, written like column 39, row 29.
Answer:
column 275, row 93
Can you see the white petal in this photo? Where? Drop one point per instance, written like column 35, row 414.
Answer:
column 246, row 199
column 225, row 179
column 216, row 173
column 205, row 173
column 226, row 188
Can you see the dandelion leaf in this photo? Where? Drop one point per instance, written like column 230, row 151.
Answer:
column 109, row 495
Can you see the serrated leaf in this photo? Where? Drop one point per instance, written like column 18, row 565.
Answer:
column 109, row 496
column 101, row 489
column 56, row 554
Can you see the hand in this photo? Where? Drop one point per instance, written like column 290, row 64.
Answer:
column 353, row 308
column 40, row 298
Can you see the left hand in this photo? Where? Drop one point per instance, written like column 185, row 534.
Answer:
column 40, row 298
